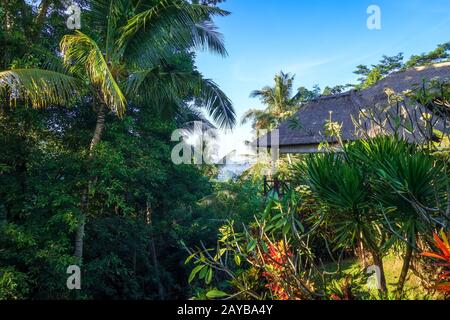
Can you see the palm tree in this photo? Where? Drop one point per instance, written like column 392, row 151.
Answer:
column 281, row 104
column 123, row 58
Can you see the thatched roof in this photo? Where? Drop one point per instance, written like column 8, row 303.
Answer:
column 307, row 126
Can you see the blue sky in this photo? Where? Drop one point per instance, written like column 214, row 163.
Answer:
column 319, row 41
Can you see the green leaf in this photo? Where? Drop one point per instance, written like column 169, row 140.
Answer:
column 237, row 260
column 268, row 208
column 222, row 252
column 203, row 273
column 42, row 88
column 189, row 258
column 276, row 217
column 264, row 246
column 214, row 294
column 286, row 228
column 209, row 276
column 251, row 245
column 194, row 272
column 300, row 226
column 280, row 224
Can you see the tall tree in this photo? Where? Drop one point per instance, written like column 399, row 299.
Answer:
column 280, row 101
column 389, row 64
column 123, row 50
column 440, row 54
column 371, row 75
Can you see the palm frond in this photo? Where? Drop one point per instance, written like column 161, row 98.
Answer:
column 168, row 26
column 206, row 37
column 188, row 117
column 261, row 119
column 107, row 16
column 50, row 60
column 84, row 56
column 251, row 115
column 264, row 93
column 187, row 114
column 216, row 103
column 41, row 88
column 165, row 87
column 158, row 87
column 279, row 97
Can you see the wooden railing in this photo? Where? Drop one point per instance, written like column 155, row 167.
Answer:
column 276, row 186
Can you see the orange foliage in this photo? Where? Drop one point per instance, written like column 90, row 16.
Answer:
column 444, row 255
column 275, row 261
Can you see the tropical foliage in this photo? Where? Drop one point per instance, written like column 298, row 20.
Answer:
column 86, row 176
column 372, row 198
column 443, row 256
column 280, row 102
column 369, row 75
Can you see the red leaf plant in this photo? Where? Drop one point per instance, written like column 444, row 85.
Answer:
column 276, row 261
column 442, row 243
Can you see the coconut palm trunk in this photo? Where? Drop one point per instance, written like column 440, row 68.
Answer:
column 99, row 127
column 79, row 236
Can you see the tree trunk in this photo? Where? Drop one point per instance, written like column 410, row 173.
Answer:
column 405, row 268
column 373, row 249
column 378, row 261
column 100, row 126
column 40, row 18
column 42, row 12
column 447, row 212
column 7, row 20
column 153, row 251
column 361, row 251
column 80, row 235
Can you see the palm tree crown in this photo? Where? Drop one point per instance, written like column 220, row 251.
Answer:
column 125, row 54
column 280, row 102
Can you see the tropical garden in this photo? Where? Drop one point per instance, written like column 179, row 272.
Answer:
column 364, row 220
column 86, row 176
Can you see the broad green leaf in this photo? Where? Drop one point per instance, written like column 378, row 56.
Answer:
column 214, row 294
column 194, row 272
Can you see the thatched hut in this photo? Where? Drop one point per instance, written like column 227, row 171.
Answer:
column 305, row 131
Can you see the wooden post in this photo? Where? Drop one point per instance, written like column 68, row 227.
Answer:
column 276, row 186
column 265, row 185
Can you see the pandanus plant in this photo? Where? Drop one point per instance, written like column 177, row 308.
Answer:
column 409, row 187
column 123, row 56
column 342, row 188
